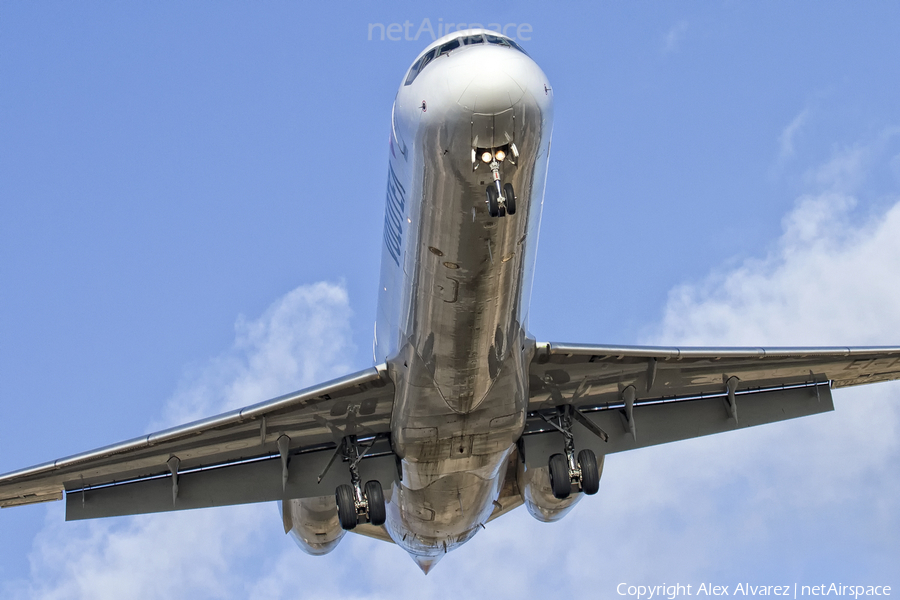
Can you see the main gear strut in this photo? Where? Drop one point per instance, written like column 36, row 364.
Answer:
column 568, row 469
column 355, row 501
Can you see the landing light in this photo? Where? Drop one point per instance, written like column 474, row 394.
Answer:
column 486, row 157
column 500, row 155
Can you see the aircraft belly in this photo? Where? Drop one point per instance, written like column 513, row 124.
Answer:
column 447, row 512
column 464, row 314
column 461, row 372
column 460, row 367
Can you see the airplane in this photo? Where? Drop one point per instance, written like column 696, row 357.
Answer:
column 464, row 416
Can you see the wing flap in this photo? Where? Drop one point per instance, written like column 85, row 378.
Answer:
column 662, row 422
column 243, row 483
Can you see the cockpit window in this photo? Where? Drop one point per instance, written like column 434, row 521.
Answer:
column 413, row 71
column 453, row 44
column 420, row 64
column 517, row 47
column 428, row 58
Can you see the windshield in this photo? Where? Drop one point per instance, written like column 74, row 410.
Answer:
column 456, row 43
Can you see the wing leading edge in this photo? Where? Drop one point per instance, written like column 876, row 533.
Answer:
column 266, row 451
column 641, row 396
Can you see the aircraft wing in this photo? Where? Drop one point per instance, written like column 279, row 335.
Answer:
column 268, row 451
column 637, row 396
column 627, row 397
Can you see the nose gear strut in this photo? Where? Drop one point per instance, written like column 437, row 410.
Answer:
column 501, row 199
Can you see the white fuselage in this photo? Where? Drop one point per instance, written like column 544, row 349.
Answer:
column 455, row 283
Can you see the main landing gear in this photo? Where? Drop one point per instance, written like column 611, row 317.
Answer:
column 568, row 470
column 354, row 501
column 501, row 200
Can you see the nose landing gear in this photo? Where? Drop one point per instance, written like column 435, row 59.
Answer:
column 501, row 200
column 354, row 501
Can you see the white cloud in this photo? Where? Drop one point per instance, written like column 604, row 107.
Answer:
column 789, row 133
column 178, row 555
column 845, row 170
column 672, row 39
column 895, row 167
column 827, row 281
column 303, row 338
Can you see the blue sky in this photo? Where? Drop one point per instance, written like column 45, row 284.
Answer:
column 191, row 200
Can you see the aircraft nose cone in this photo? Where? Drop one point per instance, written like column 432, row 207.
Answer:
column 426, row 563
column 490, row 81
